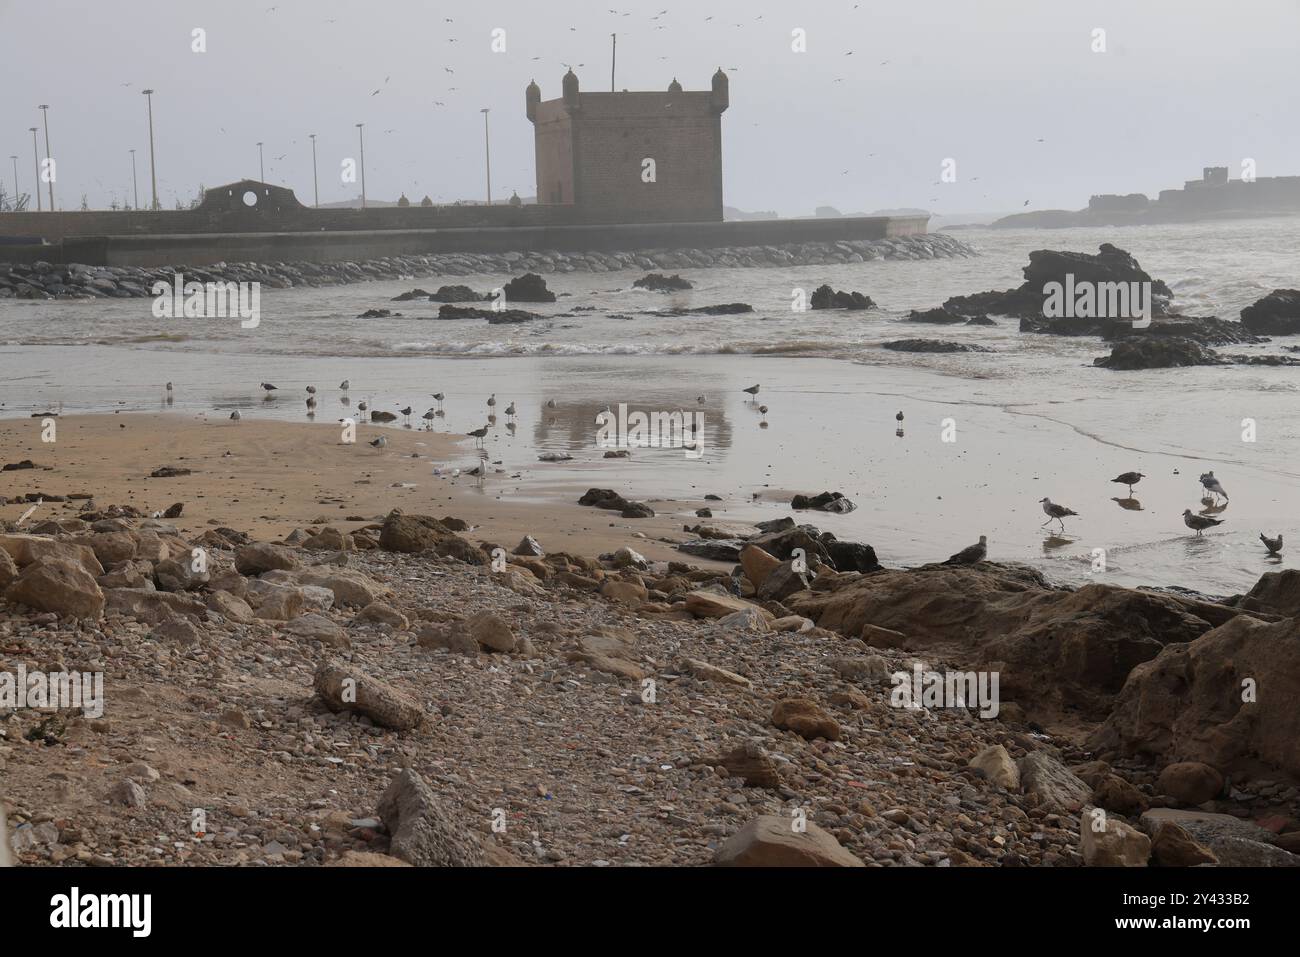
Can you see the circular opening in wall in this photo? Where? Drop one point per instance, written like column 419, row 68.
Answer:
column 250, row 198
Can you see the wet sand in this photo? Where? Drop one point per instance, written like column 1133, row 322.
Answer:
column 268, row 478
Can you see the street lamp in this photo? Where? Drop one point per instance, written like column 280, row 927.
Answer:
column 361, row 135
column 14, row 157
column 315, row 183
column 153, row 175
column 135, row 185
column 36, row 159
column 487, row 147
column 45, row 112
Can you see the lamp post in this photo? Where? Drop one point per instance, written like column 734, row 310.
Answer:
column 261, row 167
column 361, row 135
column 153, row 174
column 14, row 158
column 487, row 149
column 45, row 112
column 135, row 185
column 315, row 183
column 36, row 159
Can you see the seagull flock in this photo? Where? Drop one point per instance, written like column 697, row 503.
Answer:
column 1056, row 512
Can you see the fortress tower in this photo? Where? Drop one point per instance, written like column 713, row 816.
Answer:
column 593, row 148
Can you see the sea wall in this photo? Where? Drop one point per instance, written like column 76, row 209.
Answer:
column 46, row 280
column 326, row 245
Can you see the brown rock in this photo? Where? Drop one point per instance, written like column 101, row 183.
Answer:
column 748, row 760
column 805, row 719
column 344, row 688
column 1106, row 841
column 757, row 563
column 423, row 832
column 261, row 557
column 58, row 585
column 1190, row 782
column 708, row 672
column 491, row 631
column 1173, row 847
column 771, row 841
column 623, row 592
column 997, row 767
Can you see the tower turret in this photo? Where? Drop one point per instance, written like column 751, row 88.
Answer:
column 571, row 89
column 721, row 91
column 532, row 98
column 674, row 87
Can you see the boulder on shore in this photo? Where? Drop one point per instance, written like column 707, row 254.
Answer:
column 1277, row 314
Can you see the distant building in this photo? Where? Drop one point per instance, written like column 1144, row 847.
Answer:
column 631, row 157
column 249, row 194
column 403, row 201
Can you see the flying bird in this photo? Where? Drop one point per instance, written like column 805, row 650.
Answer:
column 1130, row 479
column 1199, row 522
column 971, row 553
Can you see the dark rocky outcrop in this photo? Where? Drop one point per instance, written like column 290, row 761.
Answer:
column 1277, row 314
column 825, row 502
column 723, row 309
column 379, row 314
column 491, row 315
column 658, row 282
column 457, row 294
column 1111, row 264
column 529, row 287
column 824, row 297
column 1155, row 352
column 939, row 316
column 607, row 498
column 931, row 345
column 413, row 294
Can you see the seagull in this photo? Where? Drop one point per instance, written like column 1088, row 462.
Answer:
column 550, row 403
column 439, row 396
column 763, row 410
column 345, row 385
column 169, row 388
column 406, row 412
column 1199, row 522
column 699, row 399
column 311, row 403
column 362, row 406
column 899, row 417
column 971, row 554
column 235, row 416
column 1274, row 545
column 510, row 410
column 1130, row 479
column 492, row 401
column 311, row 389
column 1212, row 485
column 268, row 387
column 1054, row 511
column 478, row 434
column 380, row 442
column 752, row 390
column 429, row 417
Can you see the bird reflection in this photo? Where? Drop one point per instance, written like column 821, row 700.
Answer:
column 1054, row 540
column 1211, row 508
column 1130, row 503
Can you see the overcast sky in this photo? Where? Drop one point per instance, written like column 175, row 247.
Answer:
column 1182, row 84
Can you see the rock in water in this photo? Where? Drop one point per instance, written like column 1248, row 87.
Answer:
column 1277, row 314
column 658, row 282
column 771, row 841
column 824, row 297
column 529, row 287
column 423, row 833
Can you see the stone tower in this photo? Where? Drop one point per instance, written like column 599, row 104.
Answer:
column 631, row 157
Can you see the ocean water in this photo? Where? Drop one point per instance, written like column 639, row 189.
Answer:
column 1032, row 418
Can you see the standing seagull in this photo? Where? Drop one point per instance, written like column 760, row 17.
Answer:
column 439, row 396
column 1212, row 485
column 1199, row 522
column 763, row 410
column 268, row 387
column 971, row 553
column 492, row 401
column 478, row 434
column 406, row 412
column 1274, row 545
column 311, row 389
column 510, row 411
column 752, row 390
column 429, row 417
column 380, row 442
column 1130, row 479
column 1054, row 511
column 235, row 416
column 345, row 385
column 899, row 417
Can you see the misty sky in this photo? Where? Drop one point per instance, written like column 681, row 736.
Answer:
column 1183, row 84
